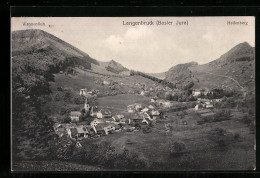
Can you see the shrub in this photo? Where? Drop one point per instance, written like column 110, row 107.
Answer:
column 79, row 100
column 220, row 131
column 147, row 129
column 177, row 147
column 237, row 136
column 246, row 120
column 221, row 115
column 252, row 127
column 221, row 143
column 67, row 97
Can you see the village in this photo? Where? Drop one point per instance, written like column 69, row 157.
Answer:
column 137, row 116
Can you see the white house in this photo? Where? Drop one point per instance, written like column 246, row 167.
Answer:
column 103, row 113
column 209, row 105
column 95, row 122
column 198, row 107
column 155, row 113
column 105, row 82
column 138, row 107
column 197, row 92
column 74, row 115
column 145, row 110
column 83, row 92
column 130, row 108
column 151, row 107
column 77, row 132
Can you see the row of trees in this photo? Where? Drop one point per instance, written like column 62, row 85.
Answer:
column 184, row 96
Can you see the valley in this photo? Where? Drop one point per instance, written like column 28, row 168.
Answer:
column 102, row 116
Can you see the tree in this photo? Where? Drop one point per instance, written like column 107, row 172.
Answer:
column 177, row 147
column 168, row 95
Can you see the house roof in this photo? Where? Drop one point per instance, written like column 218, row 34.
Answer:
column 97, row 120
column 82, row 130
column 107, row 119
column 105, row 112
column 155, row 113
column 116, row 118
column 101, row 126
column 198, row 89
column 110, row 125
column 21, row 89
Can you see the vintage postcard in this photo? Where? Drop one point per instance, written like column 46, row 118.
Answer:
column 133, row 93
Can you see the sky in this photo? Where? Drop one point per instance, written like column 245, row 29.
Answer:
column 147, row 48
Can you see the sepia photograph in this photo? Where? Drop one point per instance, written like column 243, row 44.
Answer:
column 133, row 93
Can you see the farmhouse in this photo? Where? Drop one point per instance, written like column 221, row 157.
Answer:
column 59, row 129
column 155, row 114
column 117, row 117
column 129, row 128
column 74, row 115
column 197, row 92
column 108, row 120
column 138, row 107
column 105, row 82
column 77, row 132
column 109, row 128
column 145, row 110
column 205, row 92
column 123, row 121
column 137, row 118
column 103, row 113
column 198, row 107
column 151, row 107
column 147, row 121
column 95, row 122
column 209, row 105
column 99, row 129
column 144, row 93
column 130, row 108
column 205, row 113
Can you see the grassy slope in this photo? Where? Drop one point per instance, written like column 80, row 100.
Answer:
column 200, row 141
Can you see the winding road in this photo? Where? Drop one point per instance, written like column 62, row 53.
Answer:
column 242, row 88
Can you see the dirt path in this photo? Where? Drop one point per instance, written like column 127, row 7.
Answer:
column 242, row 88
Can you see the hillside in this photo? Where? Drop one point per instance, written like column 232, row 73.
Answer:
column 181, row 75
column 39, row 50
column 234, row 70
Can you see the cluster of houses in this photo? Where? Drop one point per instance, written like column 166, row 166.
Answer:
column 199, row 92
column 204, row 106
column 86, row 93
column 104, row 122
